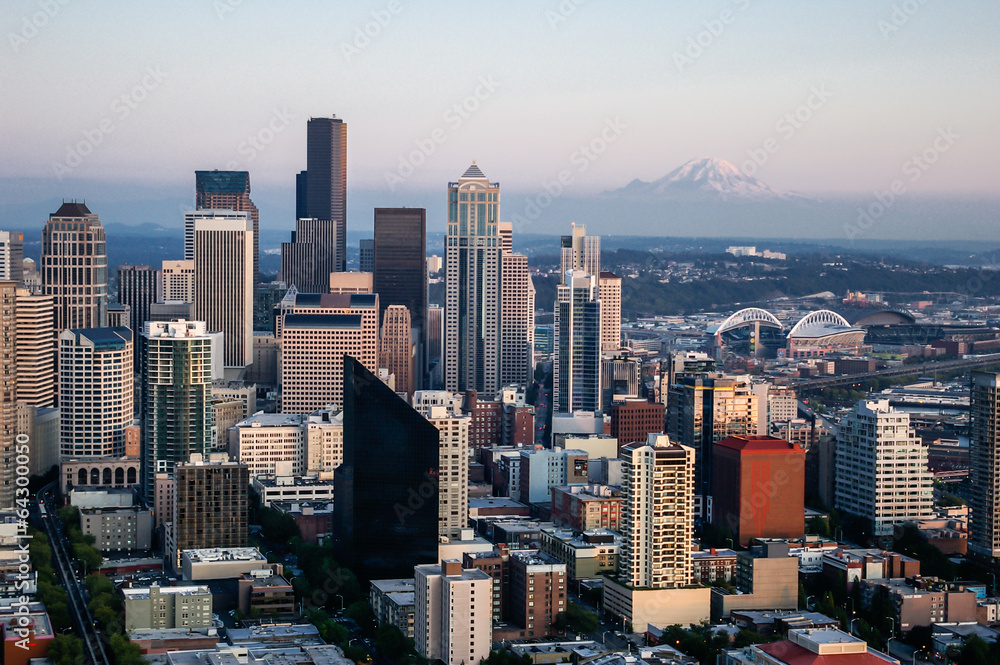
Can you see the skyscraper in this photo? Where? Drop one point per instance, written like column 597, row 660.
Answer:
column 984, row 474
column 192, row 216
column 317, row 332
column 139, row 287
column 308, row 260
column 517, row 319
column 178, row 279
column 881, row 467
column 96, row 382
column 179, row 362
column 325, row 181
column 581, row 252
column 472, row 284
column 609, row 289
column 400, row 273
column 657, row 519
column 576, row 371
column 35, row 358
column 210, row 505
column 366, row 255
column 223, row 294
column 75, row 267
column 386, row 514
column 396, row 348
column 11, row 256
column 229, row 190
column 443, row 410
column 8, row 394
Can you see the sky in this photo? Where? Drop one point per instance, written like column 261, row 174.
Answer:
column 126, row 97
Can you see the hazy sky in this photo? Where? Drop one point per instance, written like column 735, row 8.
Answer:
column 153, row 91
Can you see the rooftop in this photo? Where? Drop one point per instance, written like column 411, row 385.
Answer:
column 136, row 593
column 759, row 443
column 212, row 554
column 394, row 585
column 72, row 209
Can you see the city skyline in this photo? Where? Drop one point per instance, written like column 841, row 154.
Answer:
column 870, row 88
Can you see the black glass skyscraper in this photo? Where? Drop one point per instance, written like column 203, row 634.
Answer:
column 386, row 503
column 324, row 187
column 400, row 260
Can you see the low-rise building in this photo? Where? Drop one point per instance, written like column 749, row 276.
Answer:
column 220, row 563
column 588, row 554
column 392, row 602
column 766, row 579
column 265, row 593
column 846, row 566
column 314, row 518
column 188, row 606
column 714, row 565
column 118, row 529
column 27, row 633
column 587, row 507
column 780, row 622
column 273, row 488
column 924, row 601
column 816, row 646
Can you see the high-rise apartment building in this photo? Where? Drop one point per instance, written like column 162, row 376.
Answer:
column 180, row 360
column 444, row 412
column 289, row 444
column 35, row 357
column 75, row 267
column 8, row 393
column 178, row 280
column 984, row 474
column 576, row 366
column 758, row 488
column 472, row 284
column 705, row 408
column 610, row 290
column 657, row 520
column 139, row 286
column 517, row 319
column 229, row 190
column 11, row 256
column 317, row 331
column 396, row 348
column 537, row 592
column 386, row 516
column 452, row 613
column 881, row 467
column 96, row 381
column 210, row 505
column 223, row 293
column 580, row 252
column 322, row 187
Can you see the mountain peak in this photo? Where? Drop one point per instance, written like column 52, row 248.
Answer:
column 703, row 178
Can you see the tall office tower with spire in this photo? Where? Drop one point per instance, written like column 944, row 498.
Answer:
column 609, row 288
column 396, row 348
column 576, row 366
column 11, row 256
column 472, row 284
column 96, row 383
column 35, row 357
column 581, row 252
column 881, row 468
column 179, row 362
column 229, row 190
column 223, row 284
column 139, row 286
column 984, row 450
column 75, row 267
column 517, row 318
column 8, row 394
column 321, row 190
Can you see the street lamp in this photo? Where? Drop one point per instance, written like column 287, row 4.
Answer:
column 808, row 598
column 851, row 625
column 341, row 601
column 604, row 637
column 731, row 545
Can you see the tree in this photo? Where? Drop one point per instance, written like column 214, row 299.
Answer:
column 975, row 651
column 392, row 643
column 577, row 619
column 361, row 613
column 506, row 657
column 125, row 652
column 66, row 650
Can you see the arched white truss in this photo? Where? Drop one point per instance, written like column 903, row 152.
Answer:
column 749, row 315
column 823, row 316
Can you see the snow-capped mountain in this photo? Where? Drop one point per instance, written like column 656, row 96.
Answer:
column 706, row 178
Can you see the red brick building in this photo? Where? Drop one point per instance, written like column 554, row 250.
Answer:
column 635, row 419
column 486, row 428
column 758, row 487
column 586, row 507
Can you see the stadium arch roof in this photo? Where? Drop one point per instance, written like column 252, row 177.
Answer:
column 749, row 315
column 820, row 323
